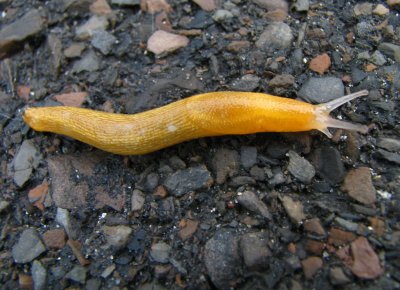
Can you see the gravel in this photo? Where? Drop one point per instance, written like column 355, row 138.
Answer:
column 261, row 211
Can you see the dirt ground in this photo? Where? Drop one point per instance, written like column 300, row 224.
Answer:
column 260, row 211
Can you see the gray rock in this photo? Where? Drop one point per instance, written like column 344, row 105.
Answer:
column 103, row 41
column 389, row 156
column 337, row 276
column 329, row 165
column 138, row 200
column 68, row 192
column 378, row 58
column 77, row 274
column 24, row 162
column 222, row 15
column 152, row 180
column 28, row 247
column 151, row 286
column 255, row 251
column 39, row 275
column 117, row 236
column 166, row 209
column 248, row 156
column 95, row 23
column 108, row 271
column 125, row 2
column 63, row 217
column 177, row 163
column 301, row 5
column 55, row 46
column 241, row 180
column 322, row 90
column 390, row 50
column 4, row 205
column 277, row 36
column 357, row 75
column 93, row 284
column 257, row 173
column 222, row 259
column 225, row 163
column 90, row 62
column 364, row 29
column 347, row 225
column 294, row 209
column 281, row 81
column 246, row 83
column 191, row 179
column 160, row 252
column 251, row 202
column 300, row 168
column 27, row 26
column 272, row 5
column 389, row 144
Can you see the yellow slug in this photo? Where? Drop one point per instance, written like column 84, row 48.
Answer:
column 210, row 114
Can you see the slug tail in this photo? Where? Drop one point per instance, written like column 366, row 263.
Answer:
column 324, row 121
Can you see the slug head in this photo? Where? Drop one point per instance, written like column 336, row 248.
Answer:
column 324, row 121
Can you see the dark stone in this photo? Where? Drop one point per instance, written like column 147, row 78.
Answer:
column 248, row 156
column 28, row 247
column 191, row 179
column 251, row 202
column 28, row 25
column 255, row 251
column 322, row 90
column 225, row 163
column 222, row 259
column 329, row 165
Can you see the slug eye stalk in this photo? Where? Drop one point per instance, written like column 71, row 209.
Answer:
column 324, row 121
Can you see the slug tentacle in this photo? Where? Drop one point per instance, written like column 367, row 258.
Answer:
column 324, row 121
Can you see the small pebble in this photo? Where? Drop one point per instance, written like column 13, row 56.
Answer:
column 89, row 62
column 314, row 226
column 103, row 41
column 300, row 168
column 338, row 277
column 294, row 209
column 358, row 184
column 255, row 251
column 389, row 144
column 311, row 266
column 322, row 90
column 380, row 10
column 277, row 36
column 251, row 202
column 24, row 162
column 206, row 5
column 320, row 63
column 95, row 23
column 162, row 42
column 281, row 81
column 248, row 156
column 225, row 163
column 28, row 247
column 137, row 200
column 222, row 15
column 39, row 275
column 378, row 58
column 117, row 236
column 222, row 258
column 190, row 179
column 160, row 252
column 77, row 274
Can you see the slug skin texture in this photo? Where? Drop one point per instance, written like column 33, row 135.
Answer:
column 204, row 115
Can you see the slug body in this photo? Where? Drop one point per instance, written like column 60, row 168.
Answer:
column 209, row 114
